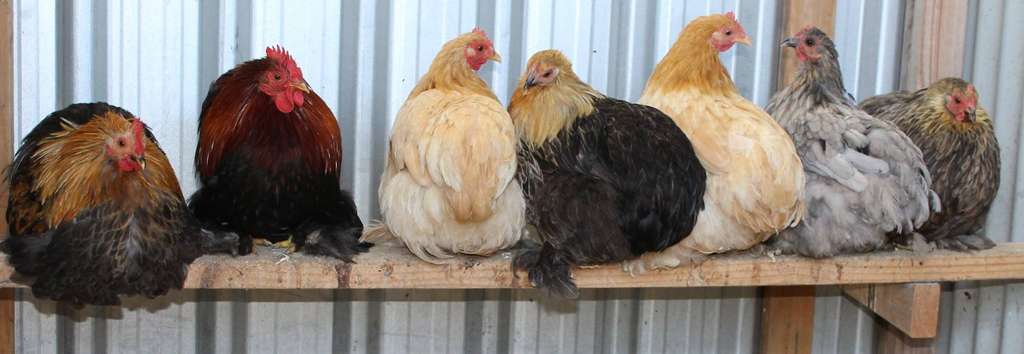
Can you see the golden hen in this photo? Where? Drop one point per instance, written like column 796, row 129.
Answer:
column 755, row 179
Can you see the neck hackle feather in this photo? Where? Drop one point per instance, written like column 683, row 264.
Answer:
column 450, row 71
column 540, row 113
column 693, row 62
column 75, row 173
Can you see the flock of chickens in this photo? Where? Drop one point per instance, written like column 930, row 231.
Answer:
column 565, row 175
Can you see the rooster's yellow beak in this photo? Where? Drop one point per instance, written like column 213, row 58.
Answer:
column 301, row 86
column 495, row 57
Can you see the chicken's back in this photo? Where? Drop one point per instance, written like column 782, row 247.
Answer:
column 448, row 185
column 755, row 179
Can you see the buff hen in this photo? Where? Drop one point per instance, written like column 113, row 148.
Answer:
column 449, row 180
column 755, row 181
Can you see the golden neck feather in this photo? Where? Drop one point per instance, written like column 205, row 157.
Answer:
column 75, row 174
column 450, row 71
column 692, row 63
column 540, row 113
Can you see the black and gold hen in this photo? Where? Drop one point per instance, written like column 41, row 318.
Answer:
column 960, row 149
column 96, row 211
column 605, row 180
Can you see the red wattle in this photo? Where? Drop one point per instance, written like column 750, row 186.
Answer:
column 283, row 103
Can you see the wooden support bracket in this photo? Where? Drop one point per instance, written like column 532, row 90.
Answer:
column 912, row 308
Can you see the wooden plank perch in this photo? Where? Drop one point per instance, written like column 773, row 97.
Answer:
column 395, row 268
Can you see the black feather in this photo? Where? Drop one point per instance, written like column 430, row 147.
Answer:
column 620, row 182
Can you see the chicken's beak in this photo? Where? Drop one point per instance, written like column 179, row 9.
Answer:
column 790, row 42
column 531, row 80
column 301, row 86
column 495, row 57
column 972, row 114
column 745, row 40
column 141, row 160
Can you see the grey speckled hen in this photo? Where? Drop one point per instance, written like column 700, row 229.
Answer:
column 866, row 180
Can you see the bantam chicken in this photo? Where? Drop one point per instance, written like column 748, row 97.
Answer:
column 865, row 178
column 755, row 183
column 96, row 211
column 960, row 148
column 269, row 162
column 448, row 185
column 605, row 180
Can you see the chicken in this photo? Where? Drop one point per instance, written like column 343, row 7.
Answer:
column 269, row 162
column 605, row 180
column 755, row 183
column 448, row 185
column 865, row 178
column 96, row 211
column 960, row 150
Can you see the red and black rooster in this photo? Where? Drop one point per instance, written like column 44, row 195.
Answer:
column 269, row 162
column 96, row 211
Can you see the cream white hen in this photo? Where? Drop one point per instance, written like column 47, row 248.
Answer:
column 448, row 186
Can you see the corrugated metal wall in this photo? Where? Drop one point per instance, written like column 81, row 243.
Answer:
column 156, row 59
column 988, row 317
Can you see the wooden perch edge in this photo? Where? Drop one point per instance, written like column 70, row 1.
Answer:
column 395, row 268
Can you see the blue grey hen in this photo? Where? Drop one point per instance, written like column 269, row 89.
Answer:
column 866, row 180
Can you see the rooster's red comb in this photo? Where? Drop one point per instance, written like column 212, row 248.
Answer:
column 139, row 132
column 731, row 15
column 282, row 57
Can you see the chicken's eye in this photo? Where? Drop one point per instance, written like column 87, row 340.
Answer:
column 547, row 74
column 957, row 100
column 728, row 32
column 277, row 76
column 809, row 42
column 120, row 142
column 480, row 48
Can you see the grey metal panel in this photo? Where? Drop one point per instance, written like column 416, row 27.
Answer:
column 987, row 316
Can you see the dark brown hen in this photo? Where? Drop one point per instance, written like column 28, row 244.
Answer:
column 269, row 162
column 960, row 149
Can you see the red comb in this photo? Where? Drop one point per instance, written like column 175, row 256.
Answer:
column 282, row 57
column 278, row 54
column 731, row 15
column 479, row 31
column 138, row 130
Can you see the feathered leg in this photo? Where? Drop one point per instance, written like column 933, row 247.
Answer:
column 334, row 232
column 548, row 270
